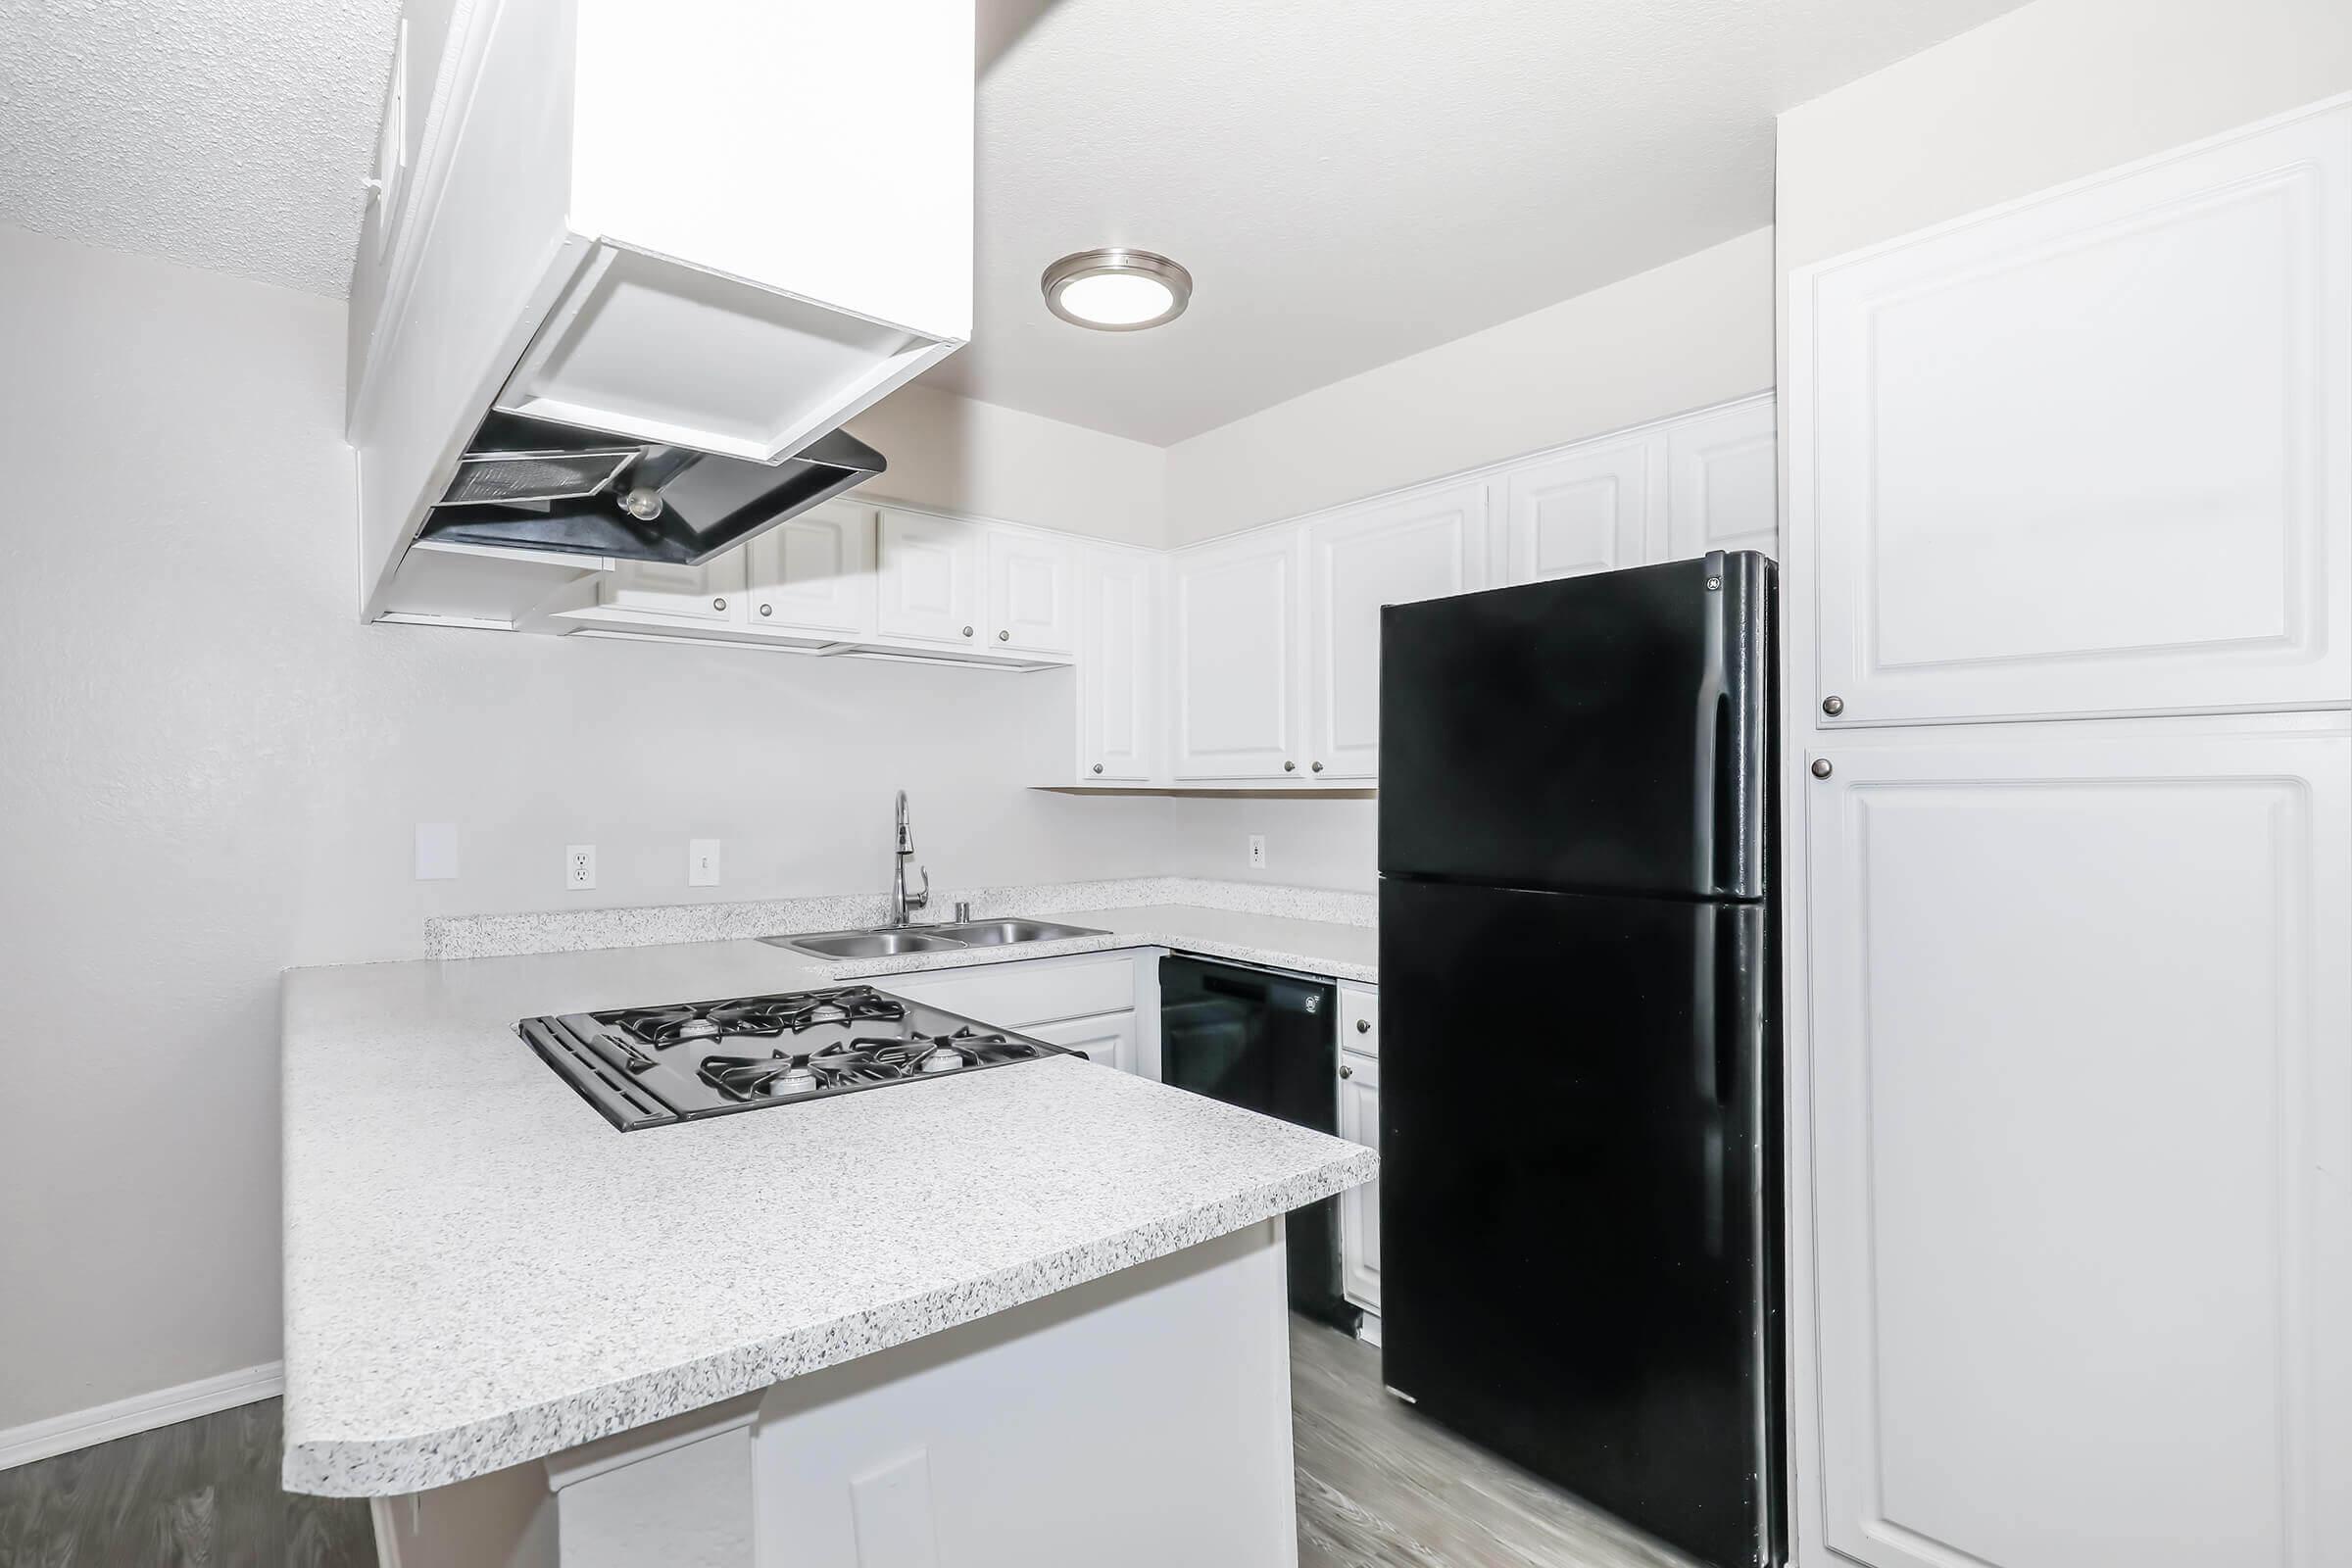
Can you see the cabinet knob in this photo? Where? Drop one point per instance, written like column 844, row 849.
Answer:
column 1822, row 769
column 967, row 631
column 1290, row 767
column 1098, row 767
column 768, row 609
column 1832, row 705
column 1317, row 766
column 1003, row 636
column 1363, row 1026
column 718, row 604
column 1347, row 1071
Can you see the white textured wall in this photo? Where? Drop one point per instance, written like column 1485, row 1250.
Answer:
column 962, row 455
column 1681, row 336
column 208, row 771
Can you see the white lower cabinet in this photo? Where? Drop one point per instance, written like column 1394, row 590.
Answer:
column 2081, row 1092
column 1108, row 1039
column 1359, row 1207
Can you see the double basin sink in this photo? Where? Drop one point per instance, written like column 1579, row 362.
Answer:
column 929, row 938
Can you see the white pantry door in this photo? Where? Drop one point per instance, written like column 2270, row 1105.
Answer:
column 1425, row 547
column 2091, row 453
column 2082, row 1100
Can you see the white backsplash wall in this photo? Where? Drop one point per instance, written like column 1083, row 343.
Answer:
column 209, row 770
column 1319, row 844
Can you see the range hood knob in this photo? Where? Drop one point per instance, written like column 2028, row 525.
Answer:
column 643, row 503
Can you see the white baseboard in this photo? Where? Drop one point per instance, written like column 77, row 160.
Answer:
column 141, row 1412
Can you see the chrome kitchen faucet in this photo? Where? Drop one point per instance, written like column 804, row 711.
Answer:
column 900, row 900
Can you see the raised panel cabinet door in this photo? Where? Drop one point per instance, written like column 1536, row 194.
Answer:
column 1234, row 615
column 814, row 574
column 2080, row 1061
column 1427, row 546
column 1032, row 593
column 1108, row 1039
column 710, row 592
column 1586, row 509
column 2091, row 453
column 1723, row 482
column 931, row 578
column 1359, row 1207
column 1118, row 667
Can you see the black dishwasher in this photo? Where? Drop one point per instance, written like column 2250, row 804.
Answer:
column 1268, row 1043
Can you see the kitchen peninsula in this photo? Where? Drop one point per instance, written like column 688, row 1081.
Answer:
column 863, row 1330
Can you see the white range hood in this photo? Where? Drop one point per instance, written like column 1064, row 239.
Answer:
column 726, row 226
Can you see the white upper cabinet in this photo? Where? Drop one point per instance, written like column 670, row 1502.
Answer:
column 1723, row 480
column 933, row 581
column 2091, row 453
column 710, row 592
column 1236, row 671
column 1120, row 726
column 1589, row 509
column 1424, row 547
column 1032, row 592
column 814, row 574
column 602, row 227
column 2081, row 1113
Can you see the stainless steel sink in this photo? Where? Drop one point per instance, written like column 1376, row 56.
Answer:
column 929, row 938
column 996, row 933
column 867, row 944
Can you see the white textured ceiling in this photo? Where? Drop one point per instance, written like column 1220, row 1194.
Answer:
column 230, row 134
column 1352, row 180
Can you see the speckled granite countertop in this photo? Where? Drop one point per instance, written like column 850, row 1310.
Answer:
column 479, row 1271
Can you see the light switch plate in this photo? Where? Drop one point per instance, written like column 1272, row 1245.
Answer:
column 701, row 862
column 579, row 867
column 436, row 851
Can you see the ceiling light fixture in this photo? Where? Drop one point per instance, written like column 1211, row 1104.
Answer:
column 1115, row 290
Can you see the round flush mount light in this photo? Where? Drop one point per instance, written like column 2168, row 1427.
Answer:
column 1115, row 290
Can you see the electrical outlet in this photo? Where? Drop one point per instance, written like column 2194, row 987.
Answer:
column 580, row 865
column 1258, row 851
column 701, row 862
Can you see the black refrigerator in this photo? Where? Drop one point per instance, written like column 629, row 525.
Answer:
column 1580, row 1055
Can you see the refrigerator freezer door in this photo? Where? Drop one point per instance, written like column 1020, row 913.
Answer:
column 1607, row 733
column 1578, row 1194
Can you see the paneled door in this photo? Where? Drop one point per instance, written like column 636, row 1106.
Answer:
column 2080, row 1056
column 1723, row 477
column 2090, row 454
column 1032, row 592
column 814, row 574
column 711, row 591
column 1424, row 547
column 1235, row 664
column 1119, row 667
column 1588, row 510
column 932, row 581
column 1359, row 1207
column 1108, row 1038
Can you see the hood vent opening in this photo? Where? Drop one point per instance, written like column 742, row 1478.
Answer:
column 537, row 485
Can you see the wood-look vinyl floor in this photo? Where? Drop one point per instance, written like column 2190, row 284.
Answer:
column 1378, row 1487
column 199, row 1493
column 1381, row 1488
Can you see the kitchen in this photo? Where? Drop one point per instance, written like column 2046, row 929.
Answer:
column 320, row 813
